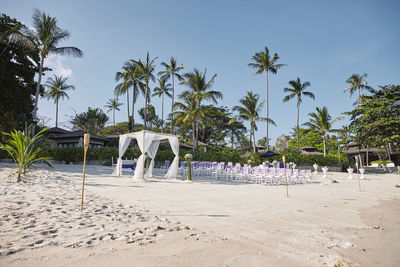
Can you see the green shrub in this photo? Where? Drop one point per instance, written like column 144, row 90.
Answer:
column 381, row 161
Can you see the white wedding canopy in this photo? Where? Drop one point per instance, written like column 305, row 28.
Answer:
column 148, row 143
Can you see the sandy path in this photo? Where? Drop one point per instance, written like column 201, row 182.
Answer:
column 237, row 224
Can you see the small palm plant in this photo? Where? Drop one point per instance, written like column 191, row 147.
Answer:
column 25, row 149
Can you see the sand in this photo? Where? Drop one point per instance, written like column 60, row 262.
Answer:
column 201, row 223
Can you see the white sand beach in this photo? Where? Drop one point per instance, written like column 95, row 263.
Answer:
column 200, row 223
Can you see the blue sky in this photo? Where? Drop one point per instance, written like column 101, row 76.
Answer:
column 323, row 42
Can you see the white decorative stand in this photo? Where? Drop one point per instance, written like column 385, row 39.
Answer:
column 362, row 173
column 294, row 166
column 325, row 171
column 350, row 170
column 315, row 167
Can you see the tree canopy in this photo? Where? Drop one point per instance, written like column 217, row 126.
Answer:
column 377, row 120
column 17, row 73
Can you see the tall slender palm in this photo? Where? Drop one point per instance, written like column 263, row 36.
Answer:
column 188, row 111
column 147, row 69
column 357, row 82
column 264, row 62
column 162, row 89
column 321, row 122
column 250, row 111
column 297, row 89
column 171, row 71
column 113, row 105
column 45, row 37
column 200, row 87
column 57, row 87
column 123, row 87
column 131, row 77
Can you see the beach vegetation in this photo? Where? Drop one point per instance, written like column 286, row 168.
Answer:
column 199, row 91
column 113, row 105
column 130, row 76
column 17, row 68
column 249, row 110
column 376, row 122
column 297, row 90
column 91, row 121
column 57, row 87
column 357, row 82
column 264, row 61
column 163, row 88
column 44, row 37
column 146, row 69
column 171, row 71
column 26, row 148
column 321, row 122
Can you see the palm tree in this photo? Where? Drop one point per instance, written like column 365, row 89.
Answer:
column 92, row 121
column 113, row 105
column 147, row 68
column 321, row 123
column 131, row 77
column 171, row 71
column 297, row 89
column 264, row 62
column 200, row 88
column 188, row 111
column 57, row 86
column 249, row 111
column 45, row 37
column 163, row 89
column 357, row 82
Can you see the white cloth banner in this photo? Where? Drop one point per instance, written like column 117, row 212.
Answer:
column 173, row 169
column 144, row 141
column 152, row 154
column 124, row 142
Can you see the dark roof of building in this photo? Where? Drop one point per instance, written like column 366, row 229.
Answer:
column 308, row 147
column 79, row 133
column 352, row 145
column 56, row 130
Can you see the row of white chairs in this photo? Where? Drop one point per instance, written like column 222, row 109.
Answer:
column 259, row 174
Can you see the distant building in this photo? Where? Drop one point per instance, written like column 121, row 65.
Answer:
column 62, row 138
column 310, row 150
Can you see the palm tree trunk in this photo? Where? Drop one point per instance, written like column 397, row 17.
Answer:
column 358, row 99
column 323, row 137
column 197, row 135
column 127, row 103
column 34, row 114
column 56, row 112
column 193, row 136
column 172, row 104
column 145, row 104
column 266, row 103
column 298, row 134
column 133, row 107
column 254, row 141
column 162, row 114
column 251, row 130
column 114, row 116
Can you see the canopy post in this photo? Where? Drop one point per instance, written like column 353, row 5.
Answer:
column 144, row 154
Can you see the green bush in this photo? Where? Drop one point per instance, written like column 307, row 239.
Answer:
column 381, row 161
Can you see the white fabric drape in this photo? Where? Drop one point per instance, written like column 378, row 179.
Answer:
column 152, row 151
column 173, row 169
column 144, row 141
column 124, row 142
column 148, row 143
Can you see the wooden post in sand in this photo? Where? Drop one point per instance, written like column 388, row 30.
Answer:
column 284, row 166
column 86, row 139
column 358, row 177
